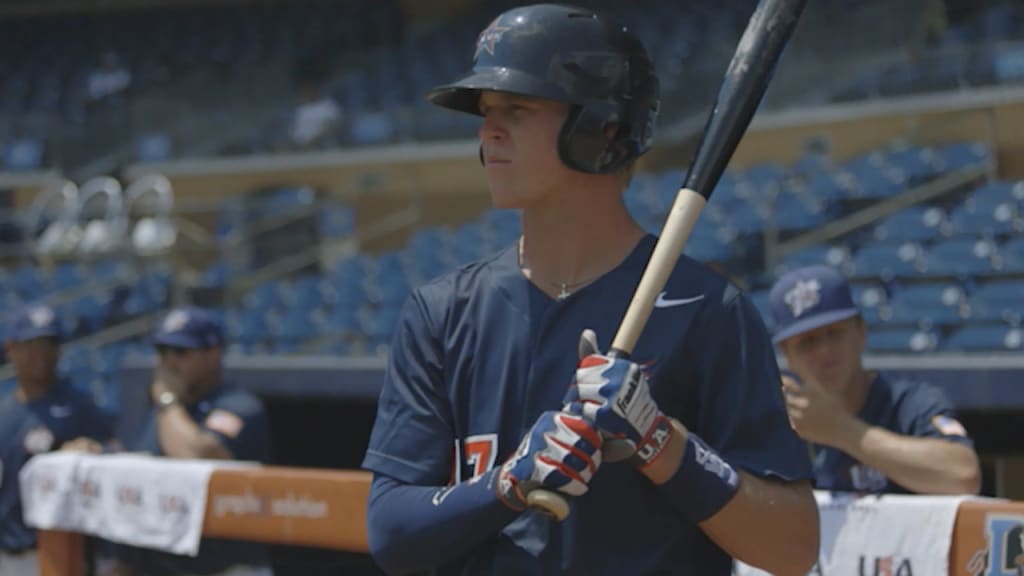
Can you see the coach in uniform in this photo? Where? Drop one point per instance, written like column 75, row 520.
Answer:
column 870, row 433
column 196, row 415
column 43, row 413
column 491, row 392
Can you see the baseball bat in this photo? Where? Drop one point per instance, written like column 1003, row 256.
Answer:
column 742, row 89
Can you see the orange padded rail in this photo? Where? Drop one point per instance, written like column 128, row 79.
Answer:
column 305, row 507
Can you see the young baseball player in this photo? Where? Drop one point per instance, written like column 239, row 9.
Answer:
column 492, row 393
column 869, row 433
column 43, row 413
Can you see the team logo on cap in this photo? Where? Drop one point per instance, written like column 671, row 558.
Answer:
column 490, row 37
column 41, row 316
column 802, row 297
column 175, row 321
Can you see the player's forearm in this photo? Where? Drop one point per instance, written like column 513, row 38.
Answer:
column 746, row 516
column 770, row 524
column 181, row 437
column 418, row 528
column 922, row 465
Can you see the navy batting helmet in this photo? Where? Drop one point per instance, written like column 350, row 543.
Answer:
column 572, row 55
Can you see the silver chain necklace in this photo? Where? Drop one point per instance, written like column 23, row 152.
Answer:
column 565, row 289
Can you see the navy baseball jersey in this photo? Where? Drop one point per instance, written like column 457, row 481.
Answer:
column 904, row 407
column 237, row 418
column 31, row 428
column 480, row 353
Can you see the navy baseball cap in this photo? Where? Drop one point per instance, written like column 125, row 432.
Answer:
column 808, row 298
column 33, row 321
column 189, row 327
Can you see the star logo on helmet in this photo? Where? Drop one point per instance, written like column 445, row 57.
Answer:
column 803, row 297
column 490, row 37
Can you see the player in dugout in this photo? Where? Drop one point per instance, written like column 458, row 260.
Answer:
column 197, row 415
column 43, row 413
column 868, row 432
column 496, row 386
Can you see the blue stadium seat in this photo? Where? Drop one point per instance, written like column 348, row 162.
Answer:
column 251, row 327
column 887, row 260
column 997, row 301
column 869, row 295
column 336, row 221
column 24, row 154
column 977, row 338
column 296, row 325
column 27, row 282
column 1011, row 256
column 793, row 213
column 916, row 224
column 960, row 256
column 919, row 164
column 963, row 154
column 834, row 256
column 829, row 186
column 902, row 340
column 992, row 194
column 379, row 324
column 305, row 293
column 342, row 320
column 153, row 147
column 64, row 276
column 266, row 296
column 985, row 219
column 927, row 304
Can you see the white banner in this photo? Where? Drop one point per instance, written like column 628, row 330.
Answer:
column 891, row 535
column 133, row 499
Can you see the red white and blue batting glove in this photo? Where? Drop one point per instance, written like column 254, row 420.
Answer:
column 561, row 452
column 615, row 395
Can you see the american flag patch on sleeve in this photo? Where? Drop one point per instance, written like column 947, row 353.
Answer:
column 224, row 422
column 948, row 426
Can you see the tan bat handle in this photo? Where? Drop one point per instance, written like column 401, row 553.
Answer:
column 549, row 503
column 678, row 226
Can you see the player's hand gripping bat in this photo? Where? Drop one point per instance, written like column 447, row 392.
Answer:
column 744, row 85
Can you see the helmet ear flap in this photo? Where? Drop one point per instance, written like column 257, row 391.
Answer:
column 584, row 145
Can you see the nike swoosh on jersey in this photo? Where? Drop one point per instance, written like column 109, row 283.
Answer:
column 60, row 411
column 663, row 302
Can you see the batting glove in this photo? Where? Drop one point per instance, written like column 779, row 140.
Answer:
column 615, row 395
column 560, row 452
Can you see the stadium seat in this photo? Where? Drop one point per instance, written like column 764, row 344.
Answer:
column 868, row 295
column 24, row 154
column 986, row 219
column 960, row 256
column 834, row 256
column 992, row 194
column 902, row 340
column 962, row 154
column 997, row 301
column 976, row 338
column 887, row 260
column 915, row 224
column 927, row 304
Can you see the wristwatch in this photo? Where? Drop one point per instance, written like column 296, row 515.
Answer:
column 166, row 399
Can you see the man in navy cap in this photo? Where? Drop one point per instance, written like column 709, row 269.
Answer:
column 869, row 433
column 196, row 415
column 43, row 413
